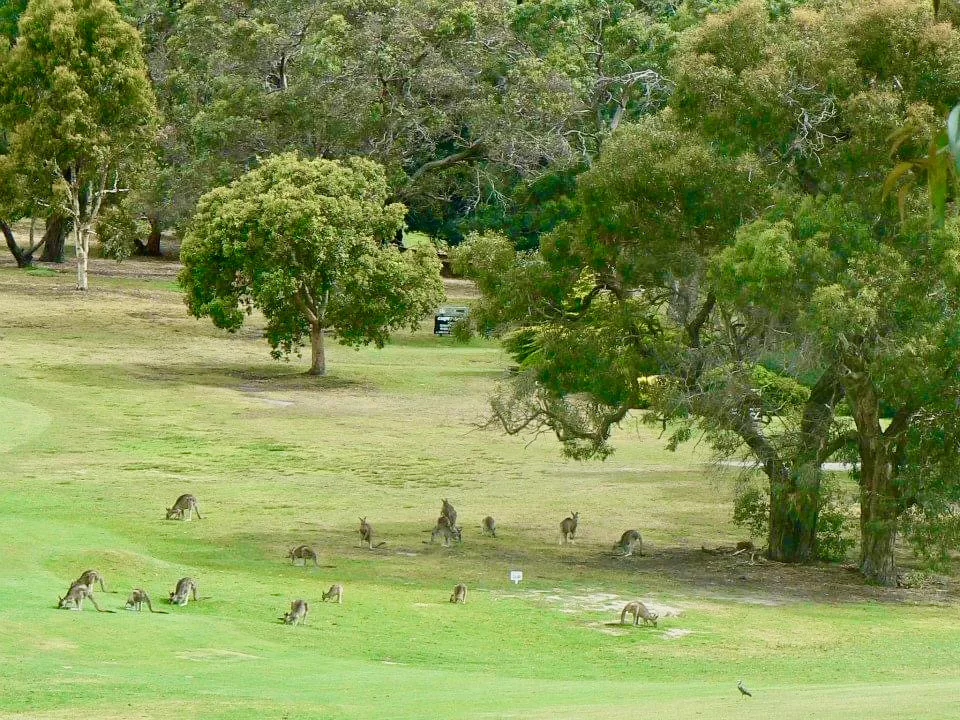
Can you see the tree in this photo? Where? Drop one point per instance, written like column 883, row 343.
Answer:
column 830, row 285
column 307, row 243
column 78, row 107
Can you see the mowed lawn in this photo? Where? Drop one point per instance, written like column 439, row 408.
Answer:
column 114, row 402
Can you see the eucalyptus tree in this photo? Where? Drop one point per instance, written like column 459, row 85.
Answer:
column 306, row 242
column 648, row 302
column 77, row 106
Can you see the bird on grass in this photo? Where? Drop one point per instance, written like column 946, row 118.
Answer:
column 743, row 690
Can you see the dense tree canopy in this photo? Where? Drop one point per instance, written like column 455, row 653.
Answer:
column 673, row 272
column 77, row 108
column 305, row 242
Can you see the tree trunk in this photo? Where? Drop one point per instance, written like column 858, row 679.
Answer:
column 794, row 510
column 318, row 360
column 55, row 238
column 879, row 503
column 152, row 248
column 878, row 536
column 81, row 238
column 23, row 259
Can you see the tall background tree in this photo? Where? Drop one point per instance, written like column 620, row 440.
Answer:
column 77, row 106
column 753, row 328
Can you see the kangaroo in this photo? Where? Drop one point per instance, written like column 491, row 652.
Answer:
column 185, row 586
column 75, row 596
column 303, row 552
column 568, row 527
column 336, row 592
column 184, row 504
column 446, row 531
column 298, row 613
column 448, row 512
column 489, row 526
column 639, row 611
column 90, row 578
column 366, row 535
column 629, row 542
column 459, row 594
column 136, row 600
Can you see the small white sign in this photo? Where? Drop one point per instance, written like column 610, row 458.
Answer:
column 516, row 576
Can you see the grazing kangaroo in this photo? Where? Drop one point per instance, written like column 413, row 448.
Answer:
column 446, row 531
column 629, row 542
column 638, row 610
column 449, row 513
column 568, row 527
column 90, row 578
column 75, row 596
column 336, row 592
column 489, row 526
column 184, row 504
column 303, row 552
column 298, row 613
column 136, row 600
column 366, row 535
column 185, row 586
column 459, row 594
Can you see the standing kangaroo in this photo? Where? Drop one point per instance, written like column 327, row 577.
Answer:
column 185, row 504
column 568, row 527
column 447, row 511
column 185, row 586
column 75, row 596
column 489, row 526
column 303, row 552
column 638, row 610
column 366, row 534
column 90, row 578
column 335, row 592
column 629, row 541
column 459, row 594
column 298, row 613
column 136, row 600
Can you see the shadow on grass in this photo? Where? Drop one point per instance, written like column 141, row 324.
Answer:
column 242, row 378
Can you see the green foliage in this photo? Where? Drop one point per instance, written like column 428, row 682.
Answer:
column 118, row 232
column 462, row 330
column 834, row 524
column 306, row 242
column 751, row 510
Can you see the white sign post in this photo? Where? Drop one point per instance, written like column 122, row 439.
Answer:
column 516, row 576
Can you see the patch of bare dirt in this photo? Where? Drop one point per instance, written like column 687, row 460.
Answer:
column 760, row 581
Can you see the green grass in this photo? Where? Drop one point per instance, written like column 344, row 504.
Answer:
column 115, row 402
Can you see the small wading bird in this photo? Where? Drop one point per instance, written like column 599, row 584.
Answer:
column 743, row 690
